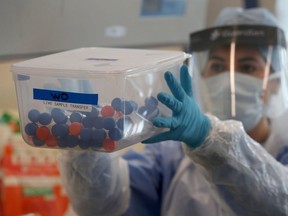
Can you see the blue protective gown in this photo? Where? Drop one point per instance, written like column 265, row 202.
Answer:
column 164, row 166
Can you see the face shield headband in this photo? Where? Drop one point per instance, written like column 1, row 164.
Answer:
column 256, row 35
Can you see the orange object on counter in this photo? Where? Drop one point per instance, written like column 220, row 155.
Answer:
column 31, row 183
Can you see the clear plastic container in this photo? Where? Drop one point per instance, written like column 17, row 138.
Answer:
column 98, row 98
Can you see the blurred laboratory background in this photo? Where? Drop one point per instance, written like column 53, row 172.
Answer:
column 33, row 28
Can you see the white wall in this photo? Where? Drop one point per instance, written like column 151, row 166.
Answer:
column 41, row 26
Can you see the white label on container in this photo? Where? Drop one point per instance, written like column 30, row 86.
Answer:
column 68, row 106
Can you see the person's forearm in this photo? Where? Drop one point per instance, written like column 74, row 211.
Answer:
column 96, row 183
column 246, row 176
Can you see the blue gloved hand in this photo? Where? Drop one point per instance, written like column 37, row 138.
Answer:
column 187, row 123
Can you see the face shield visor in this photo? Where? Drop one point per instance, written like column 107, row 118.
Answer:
column 240, row 72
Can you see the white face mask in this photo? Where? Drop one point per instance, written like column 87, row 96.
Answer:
column 248, row 104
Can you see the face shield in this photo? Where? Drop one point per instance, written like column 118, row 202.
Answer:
column 240, row 72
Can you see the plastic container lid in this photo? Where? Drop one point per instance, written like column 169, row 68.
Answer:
column 95, row 61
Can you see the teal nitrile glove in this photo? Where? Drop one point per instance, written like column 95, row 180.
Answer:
column 187, row 123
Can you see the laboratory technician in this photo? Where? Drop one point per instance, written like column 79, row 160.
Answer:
column 227, row 145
